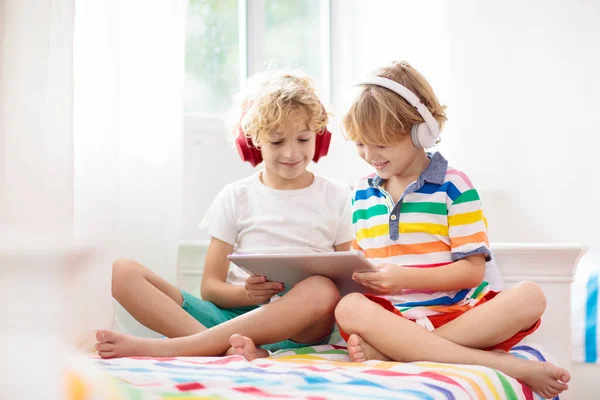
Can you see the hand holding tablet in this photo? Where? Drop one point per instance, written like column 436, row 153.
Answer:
column 293, row 268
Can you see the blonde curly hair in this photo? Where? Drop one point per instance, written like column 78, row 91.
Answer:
column 274, row 95
column 378, row 116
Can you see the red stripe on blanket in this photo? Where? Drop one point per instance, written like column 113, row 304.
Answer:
column 186, row 387
column 258, row 392
column 526, row 391
column 220, row 361
column 431, row 375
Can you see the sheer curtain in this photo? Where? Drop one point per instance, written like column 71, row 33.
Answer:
column 36, row 103
column 128, row 139
column 36, row 193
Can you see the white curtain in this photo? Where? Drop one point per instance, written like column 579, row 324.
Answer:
column 36, row 119
column 129, row 70
column 36, row 192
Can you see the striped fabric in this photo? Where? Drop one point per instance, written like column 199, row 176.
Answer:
column 585, row 318
column 438, row 220
column 319, row 372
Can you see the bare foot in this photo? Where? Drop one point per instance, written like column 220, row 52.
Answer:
column 360, row 351
column 114, row 345
column 544, row 378
column 244, row 346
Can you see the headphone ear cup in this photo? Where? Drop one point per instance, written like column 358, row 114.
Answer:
column 322, row 142
column 421, row 136
column 246, row 150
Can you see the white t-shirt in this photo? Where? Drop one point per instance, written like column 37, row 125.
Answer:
column 255, row 218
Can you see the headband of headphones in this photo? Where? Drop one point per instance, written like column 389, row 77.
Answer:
column 423, row 135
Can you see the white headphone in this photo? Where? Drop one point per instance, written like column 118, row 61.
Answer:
column 423, row 135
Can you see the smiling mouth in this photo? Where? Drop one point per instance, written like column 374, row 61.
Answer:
column 379, row 165
column 292, row 164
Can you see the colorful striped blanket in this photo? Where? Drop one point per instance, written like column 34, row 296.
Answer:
column 584, row 309
column 320, row 372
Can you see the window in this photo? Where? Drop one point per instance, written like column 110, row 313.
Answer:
column 212, row 55
column 228, row 40
column 293, row 34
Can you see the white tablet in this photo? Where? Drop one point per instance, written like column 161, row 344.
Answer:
column 293, row 268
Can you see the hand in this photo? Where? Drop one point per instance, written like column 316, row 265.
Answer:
column 260, row 290
column 386, row 280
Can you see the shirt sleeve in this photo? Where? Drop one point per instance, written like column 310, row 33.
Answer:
column 219, row 221
column 345, row 232
column 355, row 246
column 467, row 227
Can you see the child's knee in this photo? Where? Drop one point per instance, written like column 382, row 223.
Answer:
column 324, row 295
column 123, row 270
column 350, row 307
column 533, row 299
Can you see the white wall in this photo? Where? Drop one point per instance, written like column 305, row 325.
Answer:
column 368, row 35
column 519, row 82
column 526, row 99
column 209, row 162
column 523, row 96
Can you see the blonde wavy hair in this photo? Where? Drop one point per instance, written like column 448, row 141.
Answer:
column 274, row 95
column 378, row 116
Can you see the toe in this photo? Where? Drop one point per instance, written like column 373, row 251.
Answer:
column 106, row 354
column 354, row 340
column 237, row 341
column 238, row 351
column 558, row 387
column 104, row 346
column 248, row 344
column 560, row 374
column 100, row 335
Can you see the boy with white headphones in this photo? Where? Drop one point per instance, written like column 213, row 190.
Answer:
column 421, row 223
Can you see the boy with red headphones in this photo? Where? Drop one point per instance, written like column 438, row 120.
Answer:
column 282, row 208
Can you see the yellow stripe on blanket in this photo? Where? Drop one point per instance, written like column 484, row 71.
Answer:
column 305, row 359
column 474, row 371
column 385, row 364
column 309, row 359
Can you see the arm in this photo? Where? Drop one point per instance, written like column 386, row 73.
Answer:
column 465, row 273
column 220, row 223
column 345, row 230
column 214, row 287
column 391, row 278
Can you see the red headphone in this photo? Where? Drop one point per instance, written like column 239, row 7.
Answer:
column 249, row 153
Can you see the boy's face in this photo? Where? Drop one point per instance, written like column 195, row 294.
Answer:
column 290, row 147
column 394, row 160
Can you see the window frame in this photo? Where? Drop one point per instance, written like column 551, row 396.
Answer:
column 251, row 37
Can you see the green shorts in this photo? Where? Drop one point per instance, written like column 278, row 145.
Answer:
column 210, row 315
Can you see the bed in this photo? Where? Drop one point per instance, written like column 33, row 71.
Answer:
column 324, row 371
column 318, row 372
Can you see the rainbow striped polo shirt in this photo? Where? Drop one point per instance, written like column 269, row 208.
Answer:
column 438, row 220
